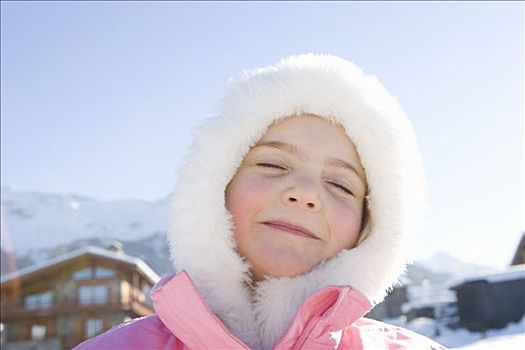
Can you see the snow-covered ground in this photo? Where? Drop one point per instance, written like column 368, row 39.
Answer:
column 503, row 342
column 510, row 337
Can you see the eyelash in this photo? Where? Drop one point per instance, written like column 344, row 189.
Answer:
column 341, row 187
column 270, row 165
column 335, row 184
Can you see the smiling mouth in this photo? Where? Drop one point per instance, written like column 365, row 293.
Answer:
column 289, row 228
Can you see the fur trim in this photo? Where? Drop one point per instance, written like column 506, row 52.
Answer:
column 201, row 238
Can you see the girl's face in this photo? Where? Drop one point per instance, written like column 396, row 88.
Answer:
column 297, row 198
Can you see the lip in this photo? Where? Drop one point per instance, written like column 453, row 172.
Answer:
column 290, row 228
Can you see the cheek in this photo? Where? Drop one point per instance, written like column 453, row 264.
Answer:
column 245, row 198
column 345, row 225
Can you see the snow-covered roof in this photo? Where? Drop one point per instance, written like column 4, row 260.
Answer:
column 139, row 263
column 508, row 274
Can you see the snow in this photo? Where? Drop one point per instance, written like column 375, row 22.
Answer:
column 502, row 275
column 34, row 220
column 445, row 263
column 510, row 337
column 428, row 295
column 503, row 342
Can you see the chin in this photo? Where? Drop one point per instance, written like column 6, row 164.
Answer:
column 292, row 270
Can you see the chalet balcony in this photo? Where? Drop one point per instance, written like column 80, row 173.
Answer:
column 20, row 310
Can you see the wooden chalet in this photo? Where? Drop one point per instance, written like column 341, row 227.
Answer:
column 60, row 303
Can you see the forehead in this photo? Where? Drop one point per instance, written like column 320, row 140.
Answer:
column 310, row 130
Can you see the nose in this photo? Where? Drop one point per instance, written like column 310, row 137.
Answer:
column 304, row 195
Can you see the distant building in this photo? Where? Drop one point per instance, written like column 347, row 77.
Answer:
column 430, row 301
column 491, row 300
column 519, row 255
column 60, row 303
column 391, row 306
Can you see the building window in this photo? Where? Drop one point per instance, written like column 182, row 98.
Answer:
column 93, row 295
column 39, row 301
column 102, row 272
column 92, row 327
column 146, row 289
column 38, row 332
column 84, row 274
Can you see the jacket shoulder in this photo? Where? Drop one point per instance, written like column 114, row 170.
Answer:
column 140, row 333
column 379, row 335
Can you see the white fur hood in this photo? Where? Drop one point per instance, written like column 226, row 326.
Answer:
column 200, row 235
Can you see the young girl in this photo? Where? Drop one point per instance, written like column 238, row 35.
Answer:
column 291, row 218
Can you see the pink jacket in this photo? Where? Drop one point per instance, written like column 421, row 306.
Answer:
column 329, row 319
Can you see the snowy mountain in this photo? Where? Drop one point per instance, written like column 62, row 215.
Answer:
column 443, row 263
column 33, row 220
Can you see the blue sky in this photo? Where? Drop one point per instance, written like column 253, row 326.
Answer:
column 99, row 98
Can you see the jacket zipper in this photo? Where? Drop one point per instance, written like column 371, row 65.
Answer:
column 307, row 330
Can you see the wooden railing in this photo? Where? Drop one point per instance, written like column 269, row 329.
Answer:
column 71, row 306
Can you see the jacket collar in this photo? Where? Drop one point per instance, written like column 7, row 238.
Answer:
column 320, row 318
column 185, row 313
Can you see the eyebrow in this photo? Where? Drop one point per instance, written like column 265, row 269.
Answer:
column 332, row 161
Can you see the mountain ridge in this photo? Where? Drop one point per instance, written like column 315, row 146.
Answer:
column 29, row 217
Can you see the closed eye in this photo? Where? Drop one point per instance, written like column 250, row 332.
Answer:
column 341, row 187
column 270, row 165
